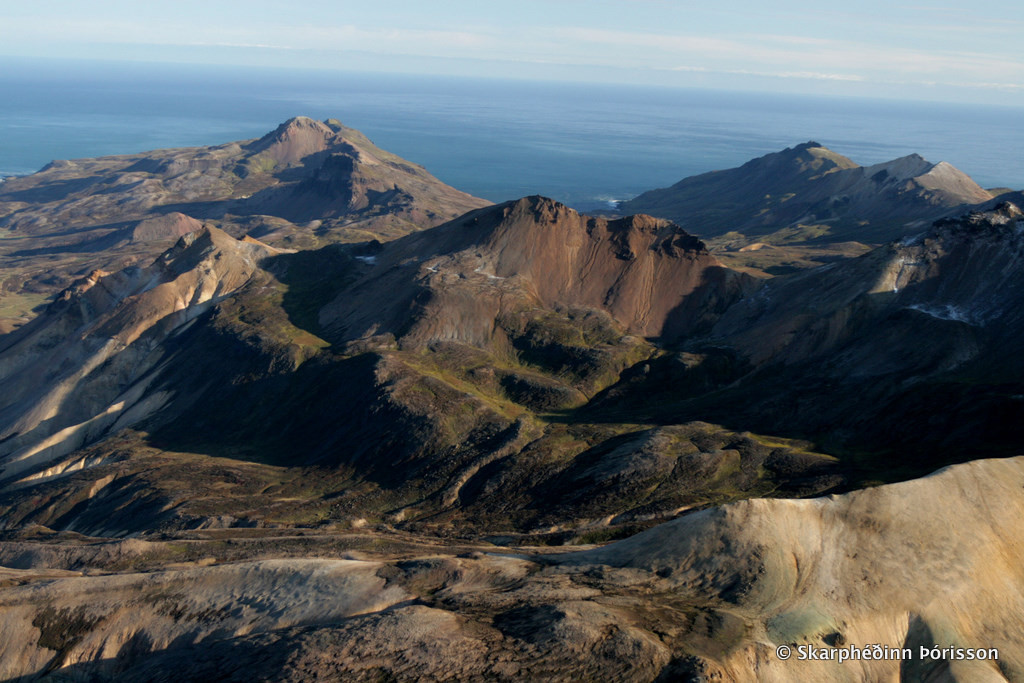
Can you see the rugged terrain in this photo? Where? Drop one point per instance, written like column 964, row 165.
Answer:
column 441, row 380
column 808, row 205
column 934, row 562
column 903, row 358
column 305, row 184
column 314, row 451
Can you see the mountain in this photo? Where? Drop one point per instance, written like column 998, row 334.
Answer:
column 932, row 563
column 960, row 274
column 900, row 360
column 54, row 400
column 430, row 378
column 304, row 184
column 455, row 282
column 810, row 193
column 522, row 358
column 375, row 459
column 521, row 363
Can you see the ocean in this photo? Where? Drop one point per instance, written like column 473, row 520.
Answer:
column 583, row 144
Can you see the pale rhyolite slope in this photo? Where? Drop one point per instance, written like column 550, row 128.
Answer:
column 936, row 561
column 81, row 368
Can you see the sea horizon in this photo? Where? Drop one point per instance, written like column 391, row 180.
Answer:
column 581, row 143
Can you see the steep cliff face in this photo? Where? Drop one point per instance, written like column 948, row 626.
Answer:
column 824, row 195
column 458, row 283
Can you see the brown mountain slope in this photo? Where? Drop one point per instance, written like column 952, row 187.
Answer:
column 454, row 283
column 809, row 192
column 901, row 360
column 304, row 184
column 446, row 395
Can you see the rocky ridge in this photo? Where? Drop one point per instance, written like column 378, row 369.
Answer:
column 810, row 193
column 307, row 183
column 930, row 563
column 55, row 400
column 360, row 460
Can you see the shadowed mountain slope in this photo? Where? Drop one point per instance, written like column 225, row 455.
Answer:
column 911, row 353
column 420, row 376
column 305, row 184
column 815, row 194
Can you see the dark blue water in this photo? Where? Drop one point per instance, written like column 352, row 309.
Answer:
column 579, row 143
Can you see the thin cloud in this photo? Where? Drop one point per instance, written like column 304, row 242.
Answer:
column 811, row 75
column 761, row 55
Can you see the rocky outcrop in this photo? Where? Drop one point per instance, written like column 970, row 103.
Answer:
column 455, row 283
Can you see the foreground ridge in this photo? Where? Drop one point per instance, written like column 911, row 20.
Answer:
column 714, row 594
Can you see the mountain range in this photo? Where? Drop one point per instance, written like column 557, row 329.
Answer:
column 335, row 418
column 811, row 192
column 305, row 184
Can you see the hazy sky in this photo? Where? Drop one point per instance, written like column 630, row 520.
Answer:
column 931, row 49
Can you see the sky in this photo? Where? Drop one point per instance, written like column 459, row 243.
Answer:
column 914, row 49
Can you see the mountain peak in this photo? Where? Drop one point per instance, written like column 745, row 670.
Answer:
column 903, row 168
column 808, row 158
column 299, row 123
column 538, row 206
column 811, row 185
column 296, row 138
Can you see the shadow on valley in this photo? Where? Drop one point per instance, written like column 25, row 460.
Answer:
column 419, row 425
column 899, row 394
column 469, row 405
column 113, row 236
